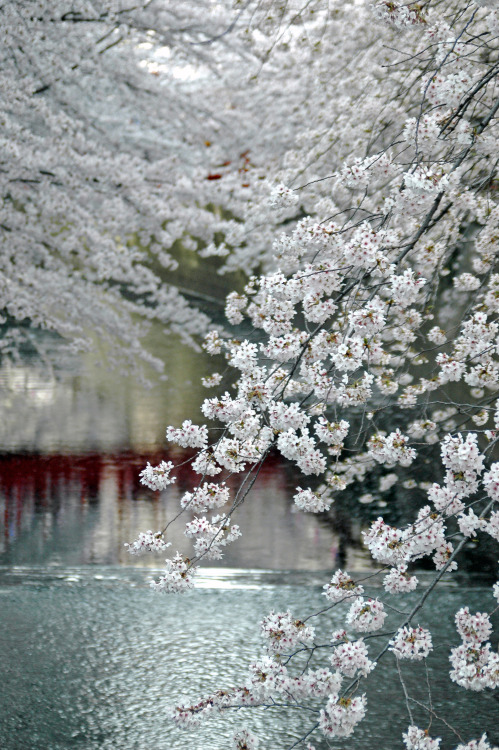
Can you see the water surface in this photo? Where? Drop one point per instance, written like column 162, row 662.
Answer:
column 90, row 657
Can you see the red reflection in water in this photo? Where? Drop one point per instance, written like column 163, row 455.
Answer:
column 31, row 483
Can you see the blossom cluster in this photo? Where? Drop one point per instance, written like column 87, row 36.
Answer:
column 178, row 575
column 189, row 435
column 366, row 615
column 399, row 581
column 419, row 739
column 157, row 477
column 392, row 449
column 283, row 632
column 341, row 715
column 210, row 537
column 411, row 643
column 206, row 496
column 147, row 541
column 474, row 665
column 341, row 587
column 245, row 740
column 363, row 361
column 351, row 658
column 397, row 547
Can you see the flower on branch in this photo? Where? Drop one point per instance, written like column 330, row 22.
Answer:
column 157, row 477
column 411, row 643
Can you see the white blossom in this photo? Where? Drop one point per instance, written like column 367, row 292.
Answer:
column 177, row 577
column 366, row 615
column 342, row 586
column 284, row 632
column 157, row 477
column 148, row 541
column 340, row 716
column 189, row 435
column 411, row 643
column 351, row 658
column 418, row 739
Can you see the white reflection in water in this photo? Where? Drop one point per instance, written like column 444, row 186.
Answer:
column 66, row 402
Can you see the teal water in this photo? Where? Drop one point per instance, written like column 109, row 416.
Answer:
column 90, row 658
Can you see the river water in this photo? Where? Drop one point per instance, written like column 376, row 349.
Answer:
column 90, row 657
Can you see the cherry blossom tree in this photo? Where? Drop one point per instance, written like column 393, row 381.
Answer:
column 344, row 155
column 373, row 345
column 109, row 152
column 129, row 128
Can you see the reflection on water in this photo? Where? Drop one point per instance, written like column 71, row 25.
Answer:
column 72, row 443
column 80, row 509
column 91, row 659
column 75, row 405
